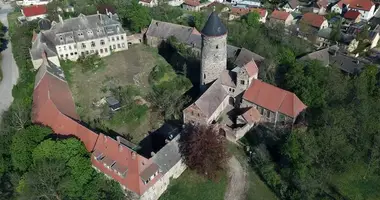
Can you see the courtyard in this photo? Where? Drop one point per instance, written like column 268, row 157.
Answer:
column 125, row 76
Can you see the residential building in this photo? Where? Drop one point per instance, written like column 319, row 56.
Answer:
column 365, row 7
column 146, row 176
column 281, row 17
column 31, row 13
column 237, row 12
column 80, row 36
column 320, row 7
column 218, row 6
column 291, row 6
column 248, row 3
column 314, row 20
column 175, row 2
column 352, row 16
column 32, row 2
column 192, row 5
column 148, row 3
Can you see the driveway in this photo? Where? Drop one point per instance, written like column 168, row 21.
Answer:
column 8, row 66
column 237, row 180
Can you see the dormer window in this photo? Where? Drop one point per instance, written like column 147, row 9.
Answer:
column 80, row 34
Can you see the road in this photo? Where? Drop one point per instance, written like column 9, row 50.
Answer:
column 8, row 66
column 237, row 184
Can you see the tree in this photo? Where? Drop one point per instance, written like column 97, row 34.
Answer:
column 23, row 143
column 52, row 10
column 204, row 149
column 335, row 33
column 252, row 19
column 135, row 16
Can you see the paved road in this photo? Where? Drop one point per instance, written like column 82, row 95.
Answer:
column 8, row 66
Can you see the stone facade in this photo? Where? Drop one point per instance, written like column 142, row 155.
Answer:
column 214, row 58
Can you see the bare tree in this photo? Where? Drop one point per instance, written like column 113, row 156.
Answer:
column 204, row 149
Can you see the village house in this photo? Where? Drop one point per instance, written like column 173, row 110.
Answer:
column 80, row 36
column 365, row 7
column 237, row 12
column 320, row 7
column 237, row 91
column 31, row 13
column 192, row 5
column 291, row 6
column 247, row 3
column 32, row 2
column 281, row 17
column 146, row 176
column 352, row 16
column 175, row 2
column 314, row 20
column 148, row 3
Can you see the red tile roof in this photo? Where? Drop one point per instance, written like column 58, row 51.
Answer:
column 125, row 158
column 239, row 11
column 273, row 98
column 34, row 10
column 357, row 4
column 279, row 15
column 192, row 2
column 352, row 14
column 262, row 12
column 252, row 115
column 251, row 68
column 313, row 19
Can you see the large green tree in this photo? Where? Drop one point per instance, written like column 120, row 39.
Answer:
column 135, row 16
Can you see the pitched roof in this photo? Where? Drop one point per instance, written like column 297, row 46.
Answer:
column 193, row 3
column 164, row 30
column 262, row 12
column 279, row 15
column 351, row 14
column 34, row 10
column 168, row 155
column 210, row 100
column 245, row 56
column 357, row 4
column 44, row 24
column 293, row 3
column 313, row 19
column 103, row 8
column 322, row 3
column 273, row 98
column 114, row 152
column 252, row 115
column 320, row 55
column 228, row 78
column 251, row 68
column 239, row 11
column 214, row 26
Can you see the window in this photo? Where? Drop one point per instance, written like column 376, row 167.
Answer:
column 217, row 46
column 123, row 45
column 70, row 47
column 242, row 82
column 92, row 51
column 102, row 42
column 117, row 37
column 64, row 48
column 87, row 52
column 106, row 50
column 204, row 76
column 76, row 53
column 112, row 38
column 61, row 55
column 92, row 44
column 82, row 53
column 122, row 37
column 83, row 45
column 101, row 50
column 268, row 114
column 114, row 46
column 59, row 48
column 67, row 55
column 118, row 46
column 71, row 53
column 75, row 46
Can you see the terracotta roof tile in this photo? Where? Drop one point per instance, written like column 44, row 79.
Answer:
column 262, row 12
column 279, row 15
column 239, row 11
column 313, row 19
column 274, row 98
column 192, row 2
column 252, row 115
column 352, row 14
column 251, row 68
column 357, row 4
column 34, row 10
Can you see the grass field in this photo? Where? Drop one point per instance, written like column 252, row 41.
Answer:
column 191, row 186
column 257, row 189
column 123, row 69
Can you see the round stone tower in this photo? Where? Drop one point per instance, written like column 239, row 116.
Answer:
column 214, row 50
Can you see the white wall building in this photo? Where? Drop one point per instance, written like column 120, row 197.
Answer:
column 250, row 3
column 365, row 7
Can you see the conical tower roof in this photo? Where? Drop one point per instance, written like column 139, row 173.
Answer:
column 214, row 26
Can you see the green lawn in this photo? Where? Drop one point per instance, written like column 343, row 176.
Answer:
column 191, row 186
column 257, row 189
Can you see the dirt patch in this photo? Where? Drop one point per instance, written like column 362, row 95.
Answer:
column 237, row 180
column 131, row 67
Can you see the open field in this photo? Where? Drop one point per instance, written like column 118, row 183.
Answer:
column 191, row 186
column 127, row 69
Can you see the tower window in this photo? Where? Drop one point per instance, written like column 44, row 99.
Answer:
column 204, row 76
column 217, row 46
column 242, row 82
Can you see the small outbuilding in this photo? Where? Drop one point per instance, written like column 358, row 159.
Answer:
column 113, row 103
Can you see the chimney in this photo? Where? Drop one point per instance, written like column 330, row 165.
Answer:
column 107, row 11
column 133, row 155
column 60, row 18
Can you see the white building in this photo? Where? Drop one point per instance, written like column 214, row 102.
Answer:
column 84, row 35
column 148, row 3
column 32, row 2
column 250, row 3
column 365, row 7
column 175, row 2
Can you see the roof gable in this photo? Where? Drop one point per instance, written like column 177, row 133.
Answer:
column 279, row 15
column 357, row 4
column 313, row 19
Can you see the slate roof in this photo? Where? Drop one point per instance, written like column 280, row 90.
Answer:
column 164, row 30
column 83, row 28
column 210, row 100
column 40, row 45
column 357, row 4
column 279, row 15
column 168, row 155
column 244, row 56
column 228, row 78
column 294, row 3
column 214, row 26
column 34, row 10
column 313, row 19
column 322, row 55
column 273, row 98
column 348, row 64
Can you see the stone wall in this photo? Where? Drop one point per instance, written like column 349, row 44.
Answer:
column 214, row 58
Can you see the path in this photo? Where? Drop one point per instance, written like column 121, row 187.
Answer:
column 237, row 180
column 8, row 66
